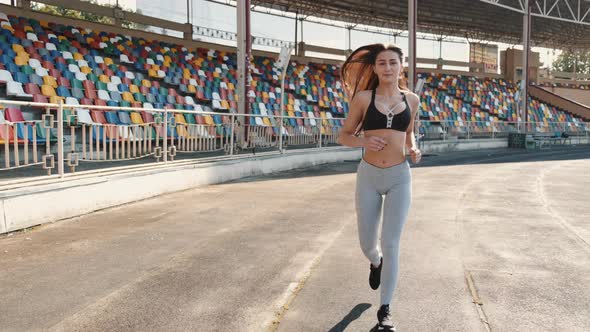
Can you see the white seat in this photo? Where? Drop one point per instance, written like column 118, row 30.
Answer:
column 310, row 98
column 161, row 74
column 130, row 75
column 73, row 68
column 72, row 101
column 189, row 57
column 74, row 30
column 98, row 59
column 5, row 23
column 224, row 66
column 41, row 71
column 311, row 118
column 198, row 108
column 263, row 112
column 216, row 96
column 223, row 85
column 271, row 95
column 5, row 76
column 104, row 95
column 51, row 35
column 102, row 45
column 217, row 104
column 16, row 89
column 3, row 16
column 296, row 108
column 147, row 48
column 251, row 94
column 32, row 36
column 159, row 57
column 116, row 79
column 261, row 106
column 67, row 55
column 329, row 115
column 218, row 70
column 112, row 87
column 82, row 63
column 34, row 63
column 193, row 82
column 339, row 104
column 124, row 58
column 80, row 76
column 50, row 47
column 211, row 53
column 201, row 73
column 150, row 61
column 259, row 121
column 84, row 116
column 148, row 105
column 189, row 100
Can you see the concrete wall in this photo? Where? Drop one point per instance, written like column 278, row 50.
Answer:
column 460, row 145
column 29, row 206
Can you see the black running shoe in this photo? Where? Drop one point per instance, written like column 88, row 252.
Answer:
column 384, row 317
column 375, row 275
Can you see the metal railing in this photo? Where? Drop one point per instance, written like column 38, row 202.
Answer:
column 75, row 135
column 448, row 130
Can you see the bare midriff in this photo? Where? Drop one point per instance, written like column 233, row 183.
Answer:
column 392, row 154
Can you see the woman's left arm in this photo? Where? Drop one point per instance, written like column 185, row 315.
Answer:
column 412, row 147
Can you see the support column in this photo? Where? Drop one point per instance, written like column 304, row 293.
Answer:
column 412, row 20
column 244, row 42
column 526, row 38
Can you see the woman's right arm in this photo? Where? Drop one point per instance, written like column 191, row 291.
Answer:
column 351, row 123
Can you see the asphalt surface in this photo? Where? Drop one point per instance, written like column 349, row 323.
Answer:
column 496, row 240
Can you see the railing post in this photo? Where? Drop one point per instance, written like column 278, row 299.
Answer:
column 231, row 144
column 165, row 143
column 320, row 130
column 60, row 139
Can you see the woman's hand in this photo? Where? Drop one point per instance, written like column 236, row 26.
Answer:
column 415, row 155
column 374, row 143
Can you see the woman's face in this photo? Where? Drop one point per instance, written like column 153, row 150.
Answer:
column 388, row 66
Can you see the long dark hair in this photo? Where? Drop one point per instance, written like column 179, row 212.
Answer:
column 357, row 71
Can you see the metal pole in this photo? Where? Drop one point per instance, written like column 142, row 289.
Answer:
column 231, row 146
column 526, row 36
column 165, row 152
column 60, row 139
column 243, row 28
column 188, row 18
column 281, row 110
column 412, row 16
column 296, row 46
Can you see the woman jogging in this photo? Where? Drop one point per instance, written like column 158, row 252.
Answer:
column 385, row 112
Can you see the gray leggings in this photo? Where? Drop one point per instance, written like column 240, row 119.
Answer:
column 389, row 189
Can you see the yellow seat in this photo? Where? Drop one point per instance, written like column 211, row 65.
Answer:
column 136, row 118
column 85, row 70
column 152, row 73
column 121, row 48
column 50, row 80
column 155, row 67
column 225, row 104
column 48, row 90
column 56, row 99
column 78, row 56
column 266, row 121
column 146, row 83
column 209, row 120
column 20, row 61
column 44, row 24
column 133, row 88
column 104, row 79
column 127, row 96
column 107, row 61
column 60, row 38
column 192, row 89
column 17, row 48
column 230, row 86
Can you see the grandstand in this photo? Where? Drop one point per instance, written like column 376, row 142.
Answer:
column 77, row 96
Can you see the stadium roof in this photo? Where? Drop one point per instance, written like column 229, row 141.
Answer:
column 556, row 23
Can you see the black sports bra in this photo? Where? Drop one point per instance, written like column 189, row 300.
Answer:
column 377, row 120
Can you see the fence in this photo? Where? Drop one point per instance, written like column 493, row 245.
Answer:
column 83, row 134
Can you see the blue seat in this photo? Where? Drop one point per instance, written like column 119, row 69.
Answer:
column 62, row 91
column 112, row 117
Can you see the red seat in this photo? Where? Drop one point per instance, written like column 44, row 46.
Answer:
column 14, row 115
column 32, row 88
